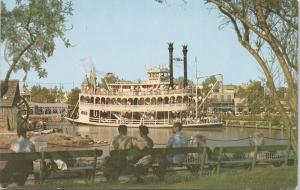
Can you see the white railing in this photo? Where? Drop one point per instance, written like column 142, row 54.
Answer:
column 136, row 108
column 149, row 122
column 141, row 93
column 125, row 121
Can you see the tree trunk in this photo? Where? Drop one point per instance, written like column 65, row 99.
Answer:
column 4, row 85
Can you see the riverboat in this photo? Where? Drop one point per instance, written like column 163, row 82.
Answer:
column 157, row 102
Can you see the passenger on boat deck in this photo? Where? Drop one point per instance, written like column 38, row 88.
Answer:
column 177, row 140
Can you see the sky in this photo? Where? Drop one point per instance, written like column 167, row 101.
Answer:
column 125, row 37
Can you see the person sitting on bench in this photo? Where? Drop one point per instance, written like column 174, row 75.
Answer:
column 143, row 162
column 115, row 164
column 18, row 170
column 177, row 140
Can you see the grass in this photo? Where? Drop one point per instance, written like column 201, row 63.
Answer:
column 282, row 178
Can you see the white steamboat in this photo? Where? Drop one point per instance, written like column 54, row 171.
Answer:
column 157, row 102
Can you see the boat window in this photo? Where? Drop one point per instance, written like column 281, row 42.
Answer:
column 91, row 100
column 83, row 113
column 81, row 98
column 228, row 97
column 97, row 101
column 222, row 97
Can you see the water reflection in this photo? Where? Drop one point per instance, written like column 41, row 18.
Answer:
column 161, row 136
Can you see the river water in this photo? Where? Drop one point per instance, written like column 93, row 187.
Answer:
column 216, row 137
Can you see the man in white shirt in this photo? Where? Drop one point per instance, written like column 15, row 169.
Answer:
column 18, row 170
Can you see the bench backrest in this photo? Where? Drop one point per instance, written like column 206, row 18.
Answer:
column 182, row 150
column 273, row 147
column 162, row 151
column 50, row 155
column 252, row 153
column 20, row 156
column 72, row 154
column 244, row 149
column 234, row 149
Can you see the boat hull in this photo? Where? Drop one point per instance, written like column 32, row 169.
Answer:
column 212, row 125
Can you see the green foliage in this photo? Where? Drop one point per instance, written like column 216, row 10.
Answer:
column 44, row 95
column 207, row 84
column 257, row 99
column 108, row 78
column 29, row 32
column 73, row 96
column 254, row 95
column 179, row 81
column 281, row 91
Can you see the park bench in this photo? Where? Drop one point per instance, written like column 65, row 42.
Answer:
column 194, row 162
column 249, row 156
column 66, row 156
column 275, row 154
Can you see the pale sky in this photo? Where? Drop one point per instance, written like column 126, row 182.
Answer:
column 122, row 36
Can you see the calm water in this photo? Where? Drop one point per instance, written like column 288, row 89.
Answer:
column 161, row 136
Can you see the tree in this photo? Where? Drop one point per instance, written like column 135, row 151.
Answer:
column 29, row 32
column 108, row 78
column 38, row 94
column 254, row 96
column 208, row 84
column 179, row 81
column 73, row 96
column 268, row 31
column 44, row 95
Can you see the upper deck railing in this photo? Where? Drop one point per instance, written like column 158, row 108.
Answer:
column 140, row 93
column 136, row 108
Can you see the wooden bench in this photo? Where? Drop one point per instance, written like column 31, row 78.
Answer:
column 66, row 156
column 195, row 158
column 275, row 154
column 249, row 157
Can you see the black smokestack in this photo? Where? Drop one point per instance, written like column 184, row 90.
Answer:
column 184, row 51
column 171, row 63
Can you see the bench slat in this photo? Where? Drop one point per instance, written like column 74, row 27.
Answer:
column 72, row 154
column 20, row 156
column 79, row 168
column 235, row 149
column 237, row 162
column 272, row 147
column 163, row 151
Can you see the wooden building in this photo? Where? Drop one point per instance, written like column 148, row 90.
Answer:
column 9, row 106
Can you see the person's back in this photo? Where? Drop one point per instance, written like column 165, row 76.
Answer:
column 18, row 171
column 142, row 162
column 115, row 163
column 22, row 145
column 121, row 142
column 177, row 140
column 143, row 142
